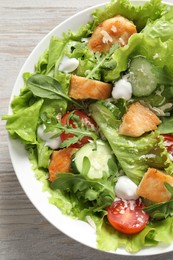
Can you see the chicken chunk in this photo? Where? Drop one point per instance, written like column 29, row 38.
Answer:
column 138, row 120
column 114, row 30
column 152, row 186
column 82, row 88
column 60, row 162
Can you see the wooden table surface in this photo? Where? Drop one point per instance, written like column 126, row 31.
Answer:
column 24, row 233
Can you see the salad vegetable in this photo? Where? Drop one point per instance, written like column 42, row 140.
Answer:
column 96, row 117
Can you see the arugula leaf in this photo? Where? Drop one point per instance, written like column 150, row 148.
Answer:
column 103, row 59
column 81, row 130
column 163, row 209
column 100, row 194
column 169, row 188
column 47, row 87
column 79, row 133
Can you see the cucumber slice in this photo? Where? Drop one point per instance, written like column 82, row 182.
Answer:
column 143, row 77
column 97, row 160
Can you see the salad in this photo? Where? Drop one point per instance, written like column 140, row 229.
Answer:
column 96, row 117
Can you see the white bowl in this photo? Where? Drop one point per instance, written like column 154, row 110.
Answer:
column 32, row 187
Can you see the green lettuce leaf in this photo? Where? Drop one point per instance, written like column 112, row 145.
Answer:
column 55, row 53
column 135, row 155
column 109, row 239
column 158, row 52
column 24, row 123
column 163, row 230
column 50, row 110
column 161, row 28
column 24, row 100
column 138, row 14
column 43, row 155
column 41, row 65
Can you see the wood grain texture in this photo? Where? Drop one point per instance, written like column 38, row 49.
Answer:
column 24, row 233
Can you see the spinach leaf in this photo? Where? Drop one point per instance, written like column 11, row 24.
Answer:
column 47, row 87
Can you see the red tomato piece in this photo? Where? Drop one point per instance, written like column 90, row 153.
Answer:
column 168, row 142
column 85, row 119
column 127, row 216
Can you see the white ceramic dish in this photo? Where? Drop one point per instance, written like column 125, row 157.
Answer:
column 33, row 188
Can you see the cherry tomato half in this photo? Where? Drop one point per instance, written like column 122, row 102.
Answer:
column 85, row 119
column 127, row 216
column 168, row 142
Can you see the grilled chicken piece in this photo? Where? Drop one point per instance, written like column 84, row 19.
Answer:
column 138, row 120
column 114, row 30
column 82, row 88
column 60, row 162
column 152, row 186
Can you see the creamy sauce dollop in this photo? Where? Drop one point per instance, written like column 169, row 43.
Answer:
column 46, row 137
column 126, row 189
column 68, row 65
column 122, row 89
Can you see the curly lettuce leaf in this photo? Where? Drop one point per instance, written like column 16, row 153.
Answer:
column 41, row 65
column 49, row 57
column 24, row 123
column 43, row 155
column 138, row 14
column 109, row 239
column 24, row 100
column 158, row 52
column 161, row 28
column 56, row 47
column 135, row 155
